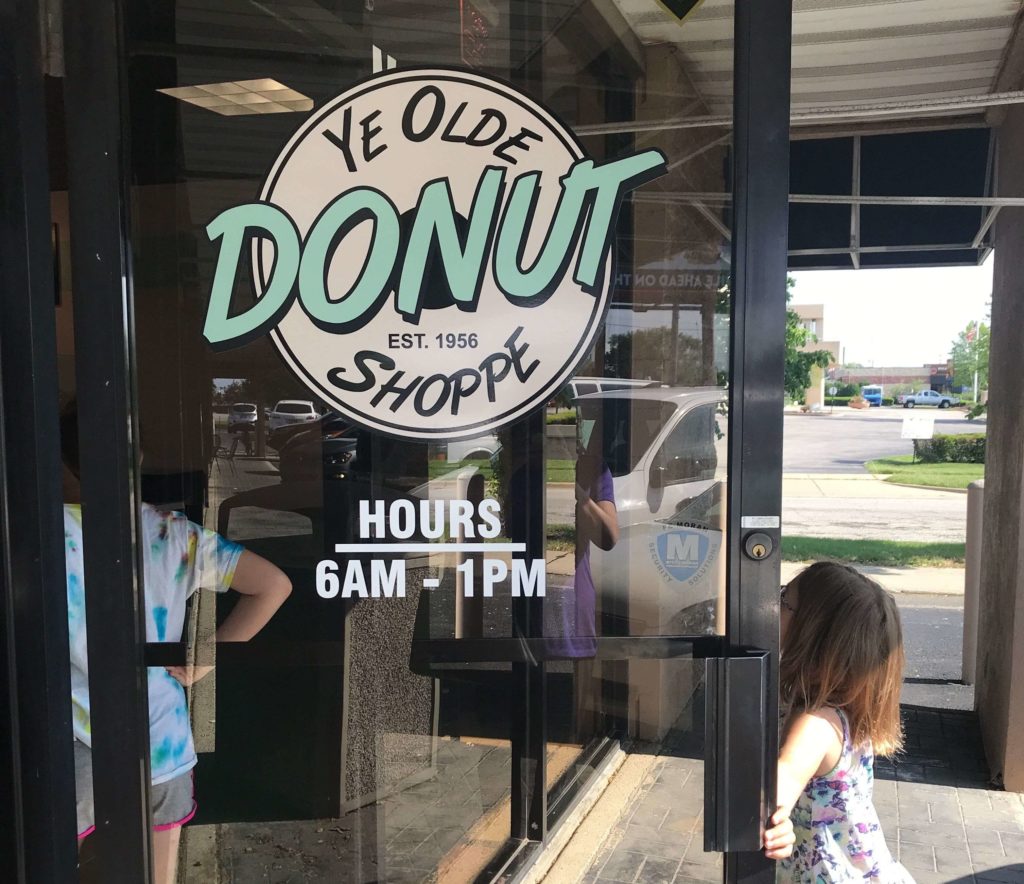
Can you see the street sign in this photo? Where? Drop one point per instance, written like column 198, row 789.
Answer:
column 918, row 428
column 832, row 391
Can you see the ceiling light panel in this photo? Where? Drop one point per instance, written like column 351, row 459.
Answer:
column 241, row 97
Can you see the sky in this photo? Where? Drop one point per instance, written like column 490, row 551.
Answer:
column 897, row 317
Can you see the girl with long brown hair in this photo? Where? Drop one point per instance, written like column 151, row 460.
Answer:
column 840, row 674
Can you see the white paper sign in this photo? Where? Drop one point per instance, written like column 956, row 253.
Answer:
column 918, row 427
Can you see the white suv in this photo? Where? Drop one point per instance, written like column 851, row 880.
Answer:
column 292, row 411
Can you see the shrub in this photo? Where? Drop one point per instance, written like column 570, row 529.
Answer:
column 837, row 400
column 561, row 417
column 953, row 448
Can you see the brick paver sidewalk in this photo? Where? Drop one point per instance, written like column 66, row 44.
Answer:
column 941, row 817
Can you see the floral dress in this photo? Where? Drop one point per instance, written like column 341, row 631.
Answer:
column 838, row 836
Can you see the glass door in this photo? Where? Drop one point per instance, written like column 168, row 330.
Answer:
column 457, row 322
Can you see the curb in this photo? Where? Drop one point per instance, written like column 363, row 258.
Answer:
column 879, row 477
column 925, row 487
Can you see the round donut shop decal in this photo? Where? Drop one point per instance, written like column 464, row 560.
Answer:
column 431, row 253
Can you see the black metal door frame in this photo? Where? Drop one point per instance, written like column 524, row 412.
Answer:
column 37, row 811
column 763, row 39
column 34, row 619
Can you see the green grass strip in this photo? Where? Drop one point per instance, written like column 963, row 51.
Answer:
column 901, row 470
column 889, row 553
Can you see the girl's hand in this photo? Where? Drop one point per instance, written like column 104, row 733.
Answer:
column 779, row 839
column 188, row 675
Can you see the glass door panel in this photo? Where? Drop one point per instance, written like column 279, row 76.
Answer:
column 643, row 427
column 437, row 733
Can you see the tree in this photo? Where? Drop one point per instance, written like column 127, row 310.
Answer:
column 969, row 355
column 649, row 352
column 799, row 362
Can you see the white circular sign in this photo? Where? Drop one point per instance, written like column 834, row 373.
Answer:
column 432, row 253
column 832, row 391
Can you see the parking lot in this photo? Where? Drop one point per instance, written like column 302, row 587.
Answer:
column 840, row 442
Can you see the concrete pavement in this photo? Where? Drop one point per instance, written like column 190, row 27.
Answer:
column 861, row 507
column 925, row 581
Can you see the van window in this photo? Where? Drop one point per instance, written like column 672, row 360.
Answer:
column 628, row 429
column 690, row 452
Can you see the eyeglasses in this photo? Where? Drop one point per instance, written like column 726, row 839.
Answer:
column 786, row 606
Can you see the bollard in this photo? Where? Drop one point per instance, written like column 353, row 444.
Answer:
column 972, row 579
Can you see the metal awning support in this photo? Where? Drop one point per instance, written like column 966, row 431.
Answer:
column 876, row 110
column 884, row 250
column 990, row 217
column 991, row 186
column 839, row 199
column 693, row 154
column 855, row 207
column 714, row 220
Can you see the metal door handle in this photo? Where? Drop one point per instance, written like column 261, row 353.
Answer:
column 735, row 750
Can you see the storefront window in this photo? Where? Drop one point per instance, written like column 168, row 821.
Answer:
column 383, row 724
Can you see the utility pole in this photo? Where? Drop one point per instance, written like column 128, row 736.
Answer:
column 974, row 337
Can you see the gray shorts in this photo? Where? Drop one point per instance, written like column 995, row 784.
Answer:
column 172, row 801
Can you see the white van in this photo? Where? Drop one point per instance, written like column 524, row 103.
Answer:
column 666, row 448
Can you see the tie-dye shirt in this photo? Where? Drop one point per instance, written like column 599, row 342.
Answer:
column 838, row 835
column 179, row 557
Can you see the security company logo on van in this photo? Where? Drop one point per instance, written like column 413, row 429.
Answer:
column 684, row 555
column 431, row 253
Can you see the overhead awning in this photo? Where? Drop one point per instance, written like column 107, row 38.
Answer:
column 903, row 200
column 893, row 108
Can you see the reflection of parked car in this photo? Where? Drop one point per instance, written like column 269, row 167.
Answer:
column 584, row 386
column 242, row 417
column 292, row 411
column 279, row 437
column 477, row 448
column 666, row 450
column 663, row 445
column 325, row 449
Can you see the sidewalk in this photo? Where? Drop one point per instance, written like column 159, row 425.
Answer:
column 927, row 581
column 941, row 818
column 855, row 485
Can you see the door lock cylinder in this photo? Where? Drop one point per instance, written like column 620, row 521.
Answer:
column 758, row 546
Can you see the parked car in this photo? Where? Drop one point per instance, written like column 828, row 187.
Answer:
column 477, row 448
column 291, row 411
column 927, row 397
column 325, row 449
column 242, row 417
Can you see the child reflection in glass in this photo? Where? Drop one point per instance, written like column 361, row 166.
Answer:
column 179, row 557
column 597, row 522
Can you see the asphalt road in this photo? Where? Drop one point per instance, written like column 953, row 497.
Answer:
column 932, row 638
column 841, row 442
column 877, row 519
column 861, row 518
